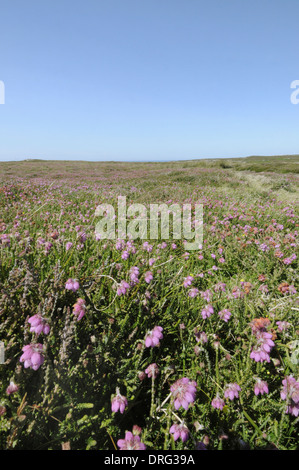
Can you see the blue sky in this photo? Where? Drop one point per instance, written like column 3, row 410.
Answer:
column 148, row 79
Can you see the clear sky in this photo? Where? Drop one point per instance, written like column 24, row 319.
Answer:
column 148, row 79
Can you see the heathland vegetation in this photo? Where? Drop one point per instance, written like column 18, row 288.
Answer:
column 120, row 344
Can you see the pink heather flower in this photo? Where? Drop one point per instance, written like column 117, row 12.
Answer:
column 183, row 391
column 148, row 276
column 201, row 336
column 118, row 403
column 120, row 244
column 260, row 387
column 260, row 351
column 290, row 392
column 12, row 388
column 125, row 254
column 47, row 246
column 179, row 431
column 68, row 246
column 122, row 288
column 147, row 247
column 232, row 391
column 79, row 308
column 188, row 281
column 38, row 324
column 82, row 237
column 131, row 442
column 134, row 273
column 207, row 295
column 207, row 311
column 153, row 337
column 193, row 292
column 220, row 287
column 32, row 356
column 237, row 293
column 224, row 314
column 72, row 284
column 152, row 370
column 218, row 403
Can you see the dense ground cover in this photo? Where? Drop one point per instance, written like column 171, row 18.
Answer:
column 115, row 343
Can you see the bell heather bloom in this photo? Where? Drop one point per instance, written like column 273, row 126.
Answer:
column 118, row 402
column 188, row 281
column 232, row 391
column 79, row 308
column 134, row 273
column 207, row 311
column 290, row 392
column 207, row 295
column 220, row 287
column 152, row 370
column 38, row 324
column 122, row 288
column 193, row 292
column 47, row 246
column 32, row 356
column 148, row 276
column 68, row 246
column 72, row 284
column 183, row 391
column 260, row 351
column 260, row 387
column 218, row 403
column 12, row 388
column 131, row 442
column 179, row 431
column 82, row 237
column 200, row 336
column 147, row 247
column 153, row 337
column 224, row 314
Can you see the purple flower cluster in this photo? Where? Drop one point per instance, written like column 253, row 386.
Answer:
column 152, row 370
column 131, row 442
column 224, row 314
column 79, row 308
column 32, row 356
column 179, row 431
column 134, row 273
column 122, row 288
column 188, row 281
column 118, row 403
column 183, row 392
column 38, row 325
column 290, row 393
column 72, row 284
column 260, row 387
column 263, row 345
column 232, row 391
column 207, row 311
column 12, row 388
column 218, row 403
column 153, row 337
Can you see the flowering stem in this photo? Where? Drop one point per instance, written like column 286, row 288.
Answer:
column 153, row 396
